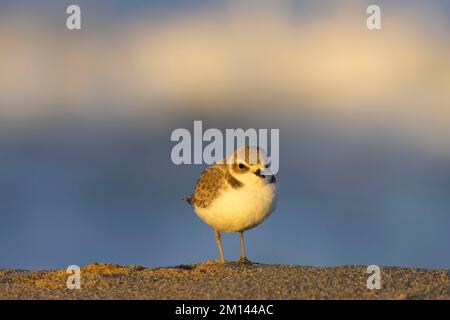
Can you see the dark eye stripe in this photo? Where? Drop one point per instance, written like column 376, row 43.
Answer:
column 236, row 168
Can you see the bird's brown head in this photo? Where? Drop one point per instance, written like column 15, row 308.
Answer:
column 250, row 165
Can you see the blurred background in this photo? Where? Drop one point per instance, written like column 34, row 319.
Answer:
column 86, row 118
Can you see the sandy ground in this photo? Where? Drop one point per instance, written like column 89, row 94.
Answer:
column 212, row 280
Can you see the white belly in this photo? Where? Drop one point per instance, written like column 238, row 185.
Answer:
column 240, row 209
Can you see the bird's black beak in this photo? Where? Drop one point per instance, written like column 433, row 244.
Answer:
column 272, row 178
column 258, row 173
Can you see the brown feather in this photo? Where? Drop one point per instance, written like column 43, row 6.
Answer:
column 211, row 183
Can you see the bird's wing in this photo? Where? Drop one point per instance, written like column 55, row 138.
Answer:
column 209, row 185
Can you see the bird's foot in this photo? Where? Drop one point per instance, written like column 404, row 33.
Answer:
column 244, row 260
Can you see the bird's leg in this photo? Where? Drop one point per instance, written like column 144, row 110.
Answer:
column 243, row 256
column 219, row 244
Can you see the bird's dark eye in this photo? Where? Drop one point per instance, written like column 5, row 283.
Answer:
column 241, row 165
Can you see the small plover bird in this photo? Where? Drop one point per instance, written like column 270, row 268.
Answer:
column 236, row 194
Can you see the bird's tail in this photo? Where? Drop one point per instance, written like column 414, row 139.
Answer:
column 188, row 199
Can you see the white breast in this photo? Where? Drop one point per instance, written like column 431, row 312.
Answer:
column 240, row 209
